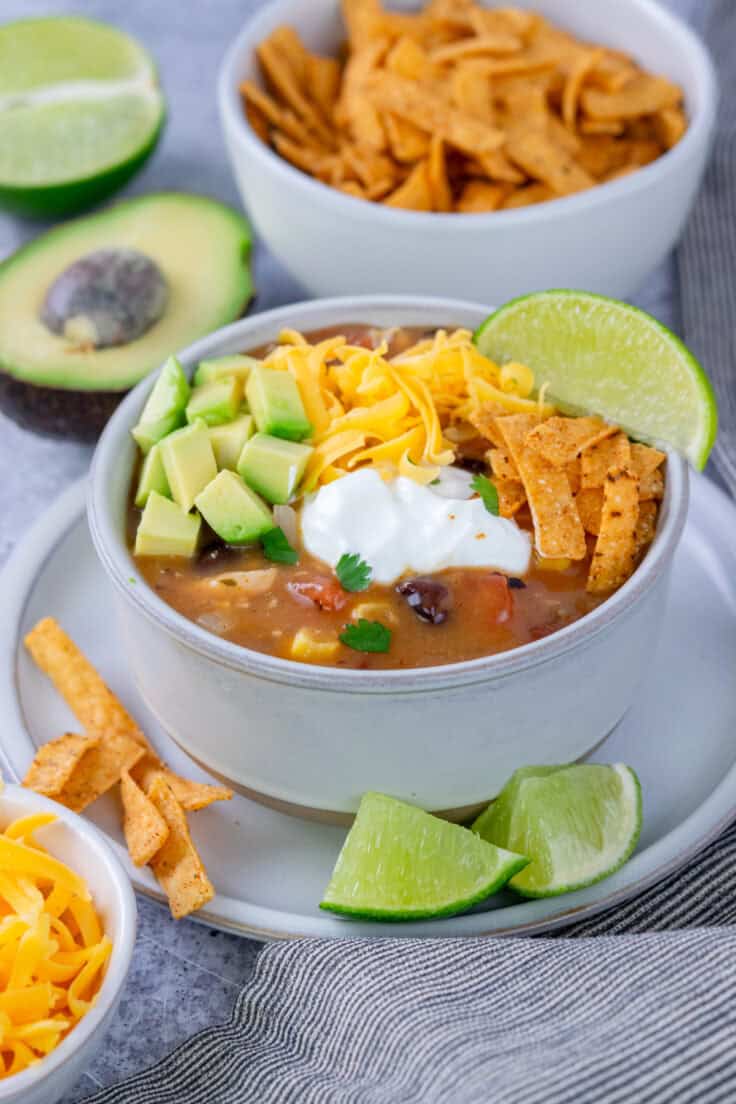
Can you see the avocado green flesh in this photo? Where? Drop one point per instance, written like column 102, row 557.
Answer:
column 166, row 530
column 165, row 406
column 276, row 404
column 189, row 463
column 217, row 402
column 273, row 467
column 202, row 250
column 217, row 367
column 234, row 511
column 152, row 478
column 229, row 440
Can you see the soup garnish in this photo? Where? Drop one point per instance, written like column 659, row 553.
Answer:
column 381, row 499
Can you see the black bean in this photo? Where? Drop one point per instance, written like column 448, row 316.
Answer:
column 109, row 297
column 516, row 584
column 472, row 464
column 430, row 600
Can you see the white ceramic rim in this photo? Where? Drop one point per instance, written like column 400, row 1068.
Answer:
column 118, row 964
column 700, row 127
column 233, row 914
column 120, row 566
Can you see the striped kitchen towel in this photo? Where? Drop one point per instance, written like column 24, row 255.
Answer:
column 643, row 1012
column 707, row 255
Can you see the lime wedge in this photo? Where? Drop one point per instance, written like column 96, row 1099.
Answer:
column 400, row 863
column 578, row 824
column 80, row 110
column 605, row 357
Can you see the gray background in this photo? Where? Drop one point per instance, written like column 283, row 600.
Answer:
column 184, row 977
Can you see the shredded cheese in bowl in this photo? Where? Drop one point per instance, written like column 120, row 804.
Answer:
column 391, row 413
column 53, row 950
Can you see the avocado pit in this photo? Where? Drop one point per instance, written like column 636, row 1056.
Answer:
column 109, row 297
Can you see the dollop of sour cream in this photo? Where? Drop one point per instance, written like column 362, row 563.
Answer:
column 401, row 526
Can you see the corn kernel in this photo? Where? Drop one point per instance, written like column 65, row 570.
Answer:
column 309, row 648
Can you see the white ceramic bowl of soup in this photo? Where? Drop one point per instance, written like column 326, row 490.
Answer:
column 78, row 844
column 606, row 239
column 313, row 739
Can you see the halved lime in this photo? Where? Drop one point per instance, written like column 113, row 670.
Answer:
column 605, row 357
column 577, row 824
column 400, row 863
column 80, row 111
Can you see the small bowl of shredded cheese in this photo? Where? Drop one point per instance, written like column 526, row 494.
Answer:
column 67, row 930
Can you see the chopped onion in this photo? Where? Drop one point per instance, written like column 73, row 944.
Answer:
column 285, row 517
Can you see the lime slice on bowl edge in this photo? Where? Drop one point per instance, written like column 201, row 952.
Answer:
column 602, row 356
column 400, row 863
column 578, row 825
column 80, row 111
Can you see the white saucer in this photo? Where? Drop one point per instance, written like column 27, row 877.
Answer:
column 270, row 869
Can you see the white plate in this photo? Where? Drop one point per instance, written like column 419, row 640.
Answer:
column 270, row 869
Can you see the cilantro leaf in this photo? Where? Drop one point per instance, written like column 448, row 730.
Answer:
column 366, row 636
column 276, row 547
column 483, row 486
column 353, row 573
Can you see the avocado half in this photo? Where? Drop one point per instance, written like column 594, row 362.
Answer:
column 62, row 385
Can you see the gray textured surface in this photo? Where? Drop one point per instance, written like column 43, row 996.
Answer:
column 184, row 977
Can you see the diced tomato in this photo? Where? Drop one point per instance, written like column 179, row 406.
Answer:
column 325, row 593
column 496, row 597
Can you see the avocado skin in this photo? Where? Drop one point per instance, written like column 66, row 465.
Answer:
column 55, row 200
column 80, row 413
column 55, row 411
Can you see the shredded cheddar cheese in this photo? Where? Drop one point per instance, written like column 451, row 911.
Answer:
column 392, row 413
column 52, row 947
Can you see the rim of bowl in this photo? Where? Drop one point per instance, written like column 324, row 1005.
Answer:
column 700, row 127
column 118, row 965
column 120, row 565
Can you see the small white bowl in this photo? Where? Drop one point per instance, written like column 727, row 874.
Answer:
column 607, row 239
column 79, row 844
column 311, row 740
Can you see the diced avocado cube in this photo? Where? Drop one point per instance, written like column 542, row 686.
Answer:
column 166, row 530
column 276, row 404
column 228, row 441
column 233, row 510
column 217, row 367
column 189, row 462
column 216, row 402
column 152, row 478
column 272, row 466
column 165, row 406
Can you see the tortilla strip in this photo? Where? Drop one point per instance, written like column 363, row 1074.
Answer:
column 611, row 452
column 573, row 475
column 542, row 159
column 98, row 771
column 55, row 762
column 642, row 95
column 282, row 78
column 525, row 197
column 415, row 193
column 646, row 460
column 669, row 125
column 144, row 828
column 439, row 185
column 614, row 557
column 277, row 116
column 353, row 109
column 190, row 795
column 646, row 525
column 92, row 702
column 429, row 110
column 502, row 465
column 574, row 83
column 561, row 440
column 589, row 505
column 511, row 496
column 477, row 197
column 498, row 43
column 177, row 864
column 558, row 531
